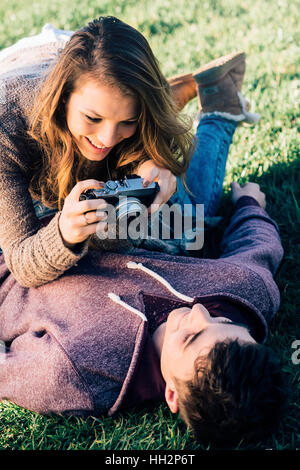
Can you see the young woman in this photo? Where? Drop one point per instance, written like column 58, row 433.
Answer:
column 96, row 107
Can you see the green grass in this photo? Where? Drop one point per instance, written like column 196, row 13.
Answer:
column 184, row 35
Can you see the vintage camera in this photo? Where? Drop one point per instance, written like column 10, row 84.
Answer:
column 128, row 196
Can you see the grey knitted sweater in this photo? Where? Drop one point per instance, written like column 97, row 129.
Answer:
column 34, row 253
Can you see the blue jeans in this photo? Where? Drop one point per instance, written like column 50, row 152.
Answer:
column 205, row 175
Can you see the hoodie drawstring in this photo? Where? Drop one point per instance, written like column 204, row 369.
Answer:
column 116, row 298
column 133, row 265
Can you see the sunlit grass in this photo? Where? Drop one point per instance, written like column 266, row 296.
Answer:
column 184, row 35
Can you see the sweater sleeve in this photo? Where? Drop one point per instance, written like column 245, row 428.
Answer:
column 252, row 238
column 35, row 255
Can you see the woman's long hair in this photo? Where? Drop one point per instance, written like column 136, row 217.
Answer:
column 109, row 52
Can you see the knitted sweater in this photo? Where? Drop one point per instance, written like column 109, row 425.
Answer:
column 74, row 344
column 33, row 253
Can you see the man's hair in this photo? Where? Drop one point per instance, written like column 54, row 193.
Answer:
column 237, row 393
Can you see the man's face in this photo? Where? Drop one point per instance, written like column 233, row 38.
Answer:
column 190, row 332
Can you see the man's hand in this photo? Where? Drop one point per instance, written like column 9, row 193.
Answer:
column 249, row 189
column 151, row 172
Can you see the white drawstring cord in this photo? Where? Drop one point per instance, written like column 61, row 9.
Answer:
column 133, row 265
column 116, row 298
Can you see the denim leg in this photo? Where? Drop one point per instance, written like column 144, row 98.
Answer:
column 206, row 172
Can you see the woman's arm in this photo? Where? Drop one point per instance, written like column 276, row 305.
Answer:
column 33, row 254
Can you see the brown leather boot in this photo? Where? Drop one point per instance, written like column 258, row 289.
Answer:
column 184, row 89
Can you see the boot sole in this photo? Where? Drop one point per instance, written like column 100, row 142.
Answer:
column 215, row 70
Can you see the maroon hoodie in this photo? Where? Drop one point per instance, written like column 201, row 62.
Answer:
column 74, row 344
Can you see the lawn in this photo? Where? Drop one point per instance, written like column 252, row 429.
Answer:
column 185, row 34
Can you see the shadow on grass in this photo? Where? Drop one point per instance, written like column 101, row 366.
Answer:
column 281, row 184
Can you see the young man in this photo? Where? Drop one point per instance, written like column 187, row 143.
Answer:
column 118, row 330
column 223, row 382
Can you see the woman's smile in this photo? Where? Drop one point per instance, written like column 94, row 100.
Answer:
column 99, row 117
column 96, row 147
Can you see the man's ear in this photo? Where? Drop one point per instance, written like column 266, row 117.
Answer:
column 171, row 397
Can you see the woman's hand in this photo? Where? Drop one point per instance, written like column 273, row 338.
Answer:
column 248, row 189
column 151, row 172
column 79, row 219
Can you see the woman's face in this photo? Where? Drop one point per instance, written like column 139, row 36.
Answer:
column 100, row 117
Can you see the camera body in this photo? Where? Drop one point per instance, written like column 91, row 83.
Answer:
column 128, row 196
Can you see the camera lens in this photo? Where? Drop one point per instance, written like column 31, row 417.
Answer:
column 129, row 208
